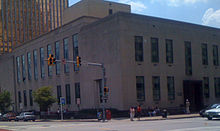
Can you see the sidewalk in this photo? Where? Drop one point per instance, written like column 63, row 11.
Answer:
column 126, row 119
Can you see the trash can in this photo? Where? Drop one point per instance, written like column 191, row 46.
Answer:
column 164, row 113
column 108, row 115
column 99, row 116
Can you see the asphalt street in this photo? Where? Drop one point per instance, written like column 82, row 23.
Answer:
column 187, row 124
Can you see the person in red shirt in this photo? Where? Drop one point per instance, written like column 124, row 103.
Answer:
column 139, row 112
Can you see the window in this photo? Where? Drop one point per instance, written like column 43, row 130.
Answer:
column 217, row 87
column 18, row 69
column 154, row 50
column 188, row 58
column 169, row 51
column 42, row 62
column 171, row 88
column 19, row 97
column 35, row 65
column 77, row 91
column 139, row 48
column 30, row 97
column 23, row 68
column 25, row 98
column 206, row 86
column 156, row 88
column 57, row 56
column 140, row 88
column 59, row 93
column 29, row 65
column 110, row 11
column 215, row 55
column 75, row 50
column 204, row 54
column 49, row 51
column 68, row 97
column 66, row 54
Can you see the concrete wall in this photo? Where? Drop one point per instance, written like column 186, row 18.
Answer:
column 7, row 75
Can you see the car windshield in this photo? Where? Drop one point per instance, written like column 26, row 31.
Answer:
column 28, row 113
column 214, row 106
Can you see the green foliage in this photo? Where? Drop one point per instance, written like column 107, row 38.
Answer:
column 43, row 96
column 5, row 101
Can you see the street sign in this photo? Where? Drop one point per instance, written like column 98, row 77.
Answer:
column 62, row 100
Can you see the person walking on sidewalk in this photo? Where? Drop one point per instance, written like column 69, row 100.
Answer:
column 139, row 112
column 132, row 113
column 187, row 106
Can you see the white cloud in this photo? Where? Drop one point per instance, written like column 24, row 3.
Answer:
column 177, row 3
column 136, row 6
column 211, row 18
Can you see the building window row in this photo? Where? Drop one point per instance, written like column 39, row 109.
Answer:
column 139, row 53
column 140, row 88
column 59, row 94
column 25, row 98
column 68, row 93
column 21, row 62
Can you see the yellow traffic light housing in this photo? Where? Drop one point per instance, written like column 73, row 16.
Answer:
column 78, row 61
column 106, row 90
column 50, row 60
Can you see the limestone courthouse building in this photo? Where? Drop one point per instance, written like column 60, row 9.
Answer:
column 148, row 61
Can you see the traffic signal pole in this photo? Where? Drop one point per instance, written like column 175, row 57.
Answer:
column 78, row 62
column 103, row 85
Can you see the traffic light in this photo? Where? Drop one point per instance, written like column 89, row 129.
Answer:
column 106, row 90
column 78, row 61
column 50, row 60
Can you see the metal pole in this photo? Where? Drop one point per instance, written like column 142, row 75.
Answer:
column 103, row 85
column 61, row 111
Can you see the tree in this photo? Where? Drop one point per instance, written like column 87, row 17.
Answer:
column 5, row 101
column 43, row 96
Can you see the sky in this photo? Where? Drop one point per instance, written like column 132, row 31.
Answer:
column 202, row 12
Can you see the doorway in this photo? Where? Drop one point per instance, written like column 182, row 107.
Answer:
column 193, row 92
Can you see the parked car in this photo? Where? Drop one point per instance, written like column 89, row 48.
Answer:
column 202, row 112
column 213, row 113
column 25, row 116
column 9, row 116
column 0, row 116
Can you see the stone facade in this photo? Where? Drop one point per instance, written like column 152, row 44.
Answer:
column 111, row 40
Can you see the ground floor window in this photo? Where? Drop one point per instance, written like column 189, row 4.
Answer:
column 140, row 88
column 217, row 86
column 156, row 88
column 171, row 88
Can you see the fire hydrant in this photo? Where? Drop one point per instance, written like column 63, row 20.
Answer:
column 108, row 115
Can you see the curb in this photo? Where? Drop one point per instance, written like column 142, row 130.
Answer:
column 126, row 119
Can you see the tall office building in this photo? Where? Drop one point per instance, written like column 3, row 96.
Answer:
column 23, row 20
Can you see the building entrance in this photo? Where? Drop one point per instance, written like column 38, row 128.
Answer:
column 193, row 92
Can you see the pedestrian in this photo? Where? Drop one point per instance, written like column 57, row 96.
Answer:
column 132, row 113
column 139, row 112
column 58, row 113
column 187, row 106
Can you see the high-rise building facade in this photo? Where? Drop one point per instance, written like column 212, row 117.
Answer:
column 23, row 20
